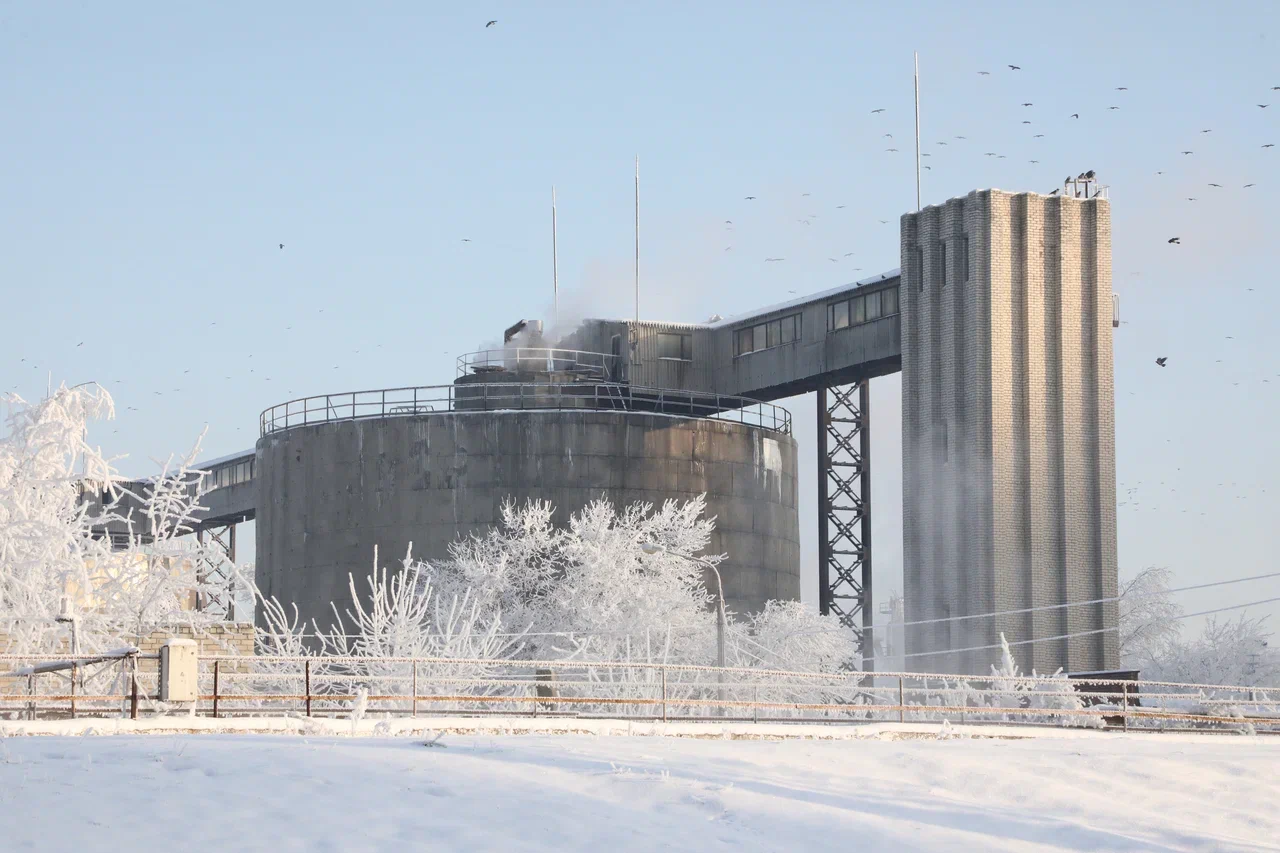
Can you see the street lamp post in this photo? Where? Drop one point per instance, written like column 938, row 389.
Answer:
column 721, row 621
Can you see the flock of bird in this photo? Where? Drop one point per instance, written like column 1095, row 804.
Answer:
column 1026, row 107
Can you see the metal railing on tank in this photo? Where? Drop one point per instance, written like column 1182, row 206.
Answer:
column 496, row 396
column 595, row 365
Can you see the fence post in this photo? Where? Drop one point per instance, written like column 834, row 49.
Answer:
column 664, row 694
column 133, row 690
column 31, row 691
column 902, row 714
column 755, row 707
column 307, row 672
column 1124, row 705
column 73, row 690
column 415, row 688
column 215, row 688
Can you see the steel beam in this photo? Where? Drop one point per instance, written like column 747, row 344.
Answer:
column 222, row 536
column 844, row 510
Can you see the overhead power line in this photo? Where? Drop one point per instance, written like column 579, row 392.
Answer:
column 1079, row 633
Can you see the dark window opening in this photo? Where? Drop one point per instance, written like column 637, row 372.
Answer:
column 675, row 346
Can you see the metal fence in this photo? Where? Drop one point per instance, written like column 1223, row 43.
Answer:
column 596, row 365
column 496, row 396
column 337, row 686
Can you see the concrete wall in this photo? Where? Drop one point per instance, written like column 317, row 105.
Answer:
column 1009, row 429
column 330, row 492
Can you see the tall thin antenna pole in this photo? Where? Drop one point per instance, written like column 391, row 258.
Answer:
column 637, row 242
column 917, row 60
column 555, row 265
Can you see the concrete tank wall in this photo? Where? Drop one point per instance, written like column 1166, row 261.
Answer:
column 329, row 492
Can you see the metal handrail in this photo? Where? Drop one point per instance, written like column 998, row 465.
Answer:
column 541, row 359
column 493, row 396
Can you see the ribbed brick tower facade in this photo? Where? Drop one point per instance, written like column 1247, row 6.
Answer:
column 1008, row 430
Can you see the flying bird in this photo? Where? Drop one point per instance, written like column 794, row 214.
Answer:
column 1015, row 67
column 939, row 143
column 962, row 137
column 840, row 207
column 990, row 154
column 1263, row 106
column 1219, row 186
column 1028, row 104
column 802, row 195
column 490, row 24
column 1161, row 360
column 889, row 135
column 1269, row 145
column 848, row 254
column 1188, row 199
column 1188, row 152
column 80, row 344
column 1038, row 136
column 1177, row 240
column 833, row 260
column 771, row 260
column 1207, row 130
column 1075, row 115
column 1033, row 162
column 884, row 222
column 1026, row 122
column 1246, row 186
column 891, row 149
column 750, row 198
column 873, row 112
column 1122, row 88
column 985, row 73
column 282, row 245
column 466, row 239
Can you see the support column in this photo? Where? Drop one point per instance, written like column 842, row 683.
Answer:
column 220, row 599
column 844, row 515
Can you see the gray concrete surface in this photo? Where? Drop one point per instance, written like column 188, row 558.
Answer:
column 329, row 492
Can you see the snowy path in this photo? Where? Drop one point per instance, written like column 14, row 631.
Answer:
column 578, row 792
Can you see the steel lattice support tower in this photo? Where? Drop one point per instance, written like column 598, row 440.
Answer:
column 222, row 537
column 844, row 510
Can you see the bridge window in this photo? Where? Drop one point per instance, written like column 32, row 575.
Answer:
column 675, row 346
column 839, row 315
column 862, row 309
column 889, row 301
column 872, row 301
column 773, row 333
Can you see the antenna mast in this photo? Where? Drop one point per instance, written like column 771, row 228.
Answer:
column 555, row 266
column 917, row 60
column 637, row 242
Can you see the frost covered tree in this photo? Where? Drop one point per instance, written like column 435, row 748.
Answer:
column 1148, row 617
column 63, row 586
column 787, row 634
column 587, row 589
column 1231, row 651
column 48, row 546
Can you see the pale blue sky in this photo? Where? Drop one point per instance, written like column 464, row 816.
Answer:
column 153, row 156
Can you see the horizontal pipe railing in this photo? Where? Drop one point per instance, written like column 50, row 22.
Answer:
column 542, row 359
column 495, row 396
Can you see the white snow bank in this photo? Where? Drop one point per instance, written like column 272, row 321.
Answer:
column 271, row 792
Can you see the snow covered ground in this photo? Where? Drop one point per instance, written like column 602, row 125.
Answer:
column 890, row 788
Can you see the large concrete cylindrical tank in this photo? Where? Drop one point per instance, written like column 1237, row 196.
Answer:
column 330, row 491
